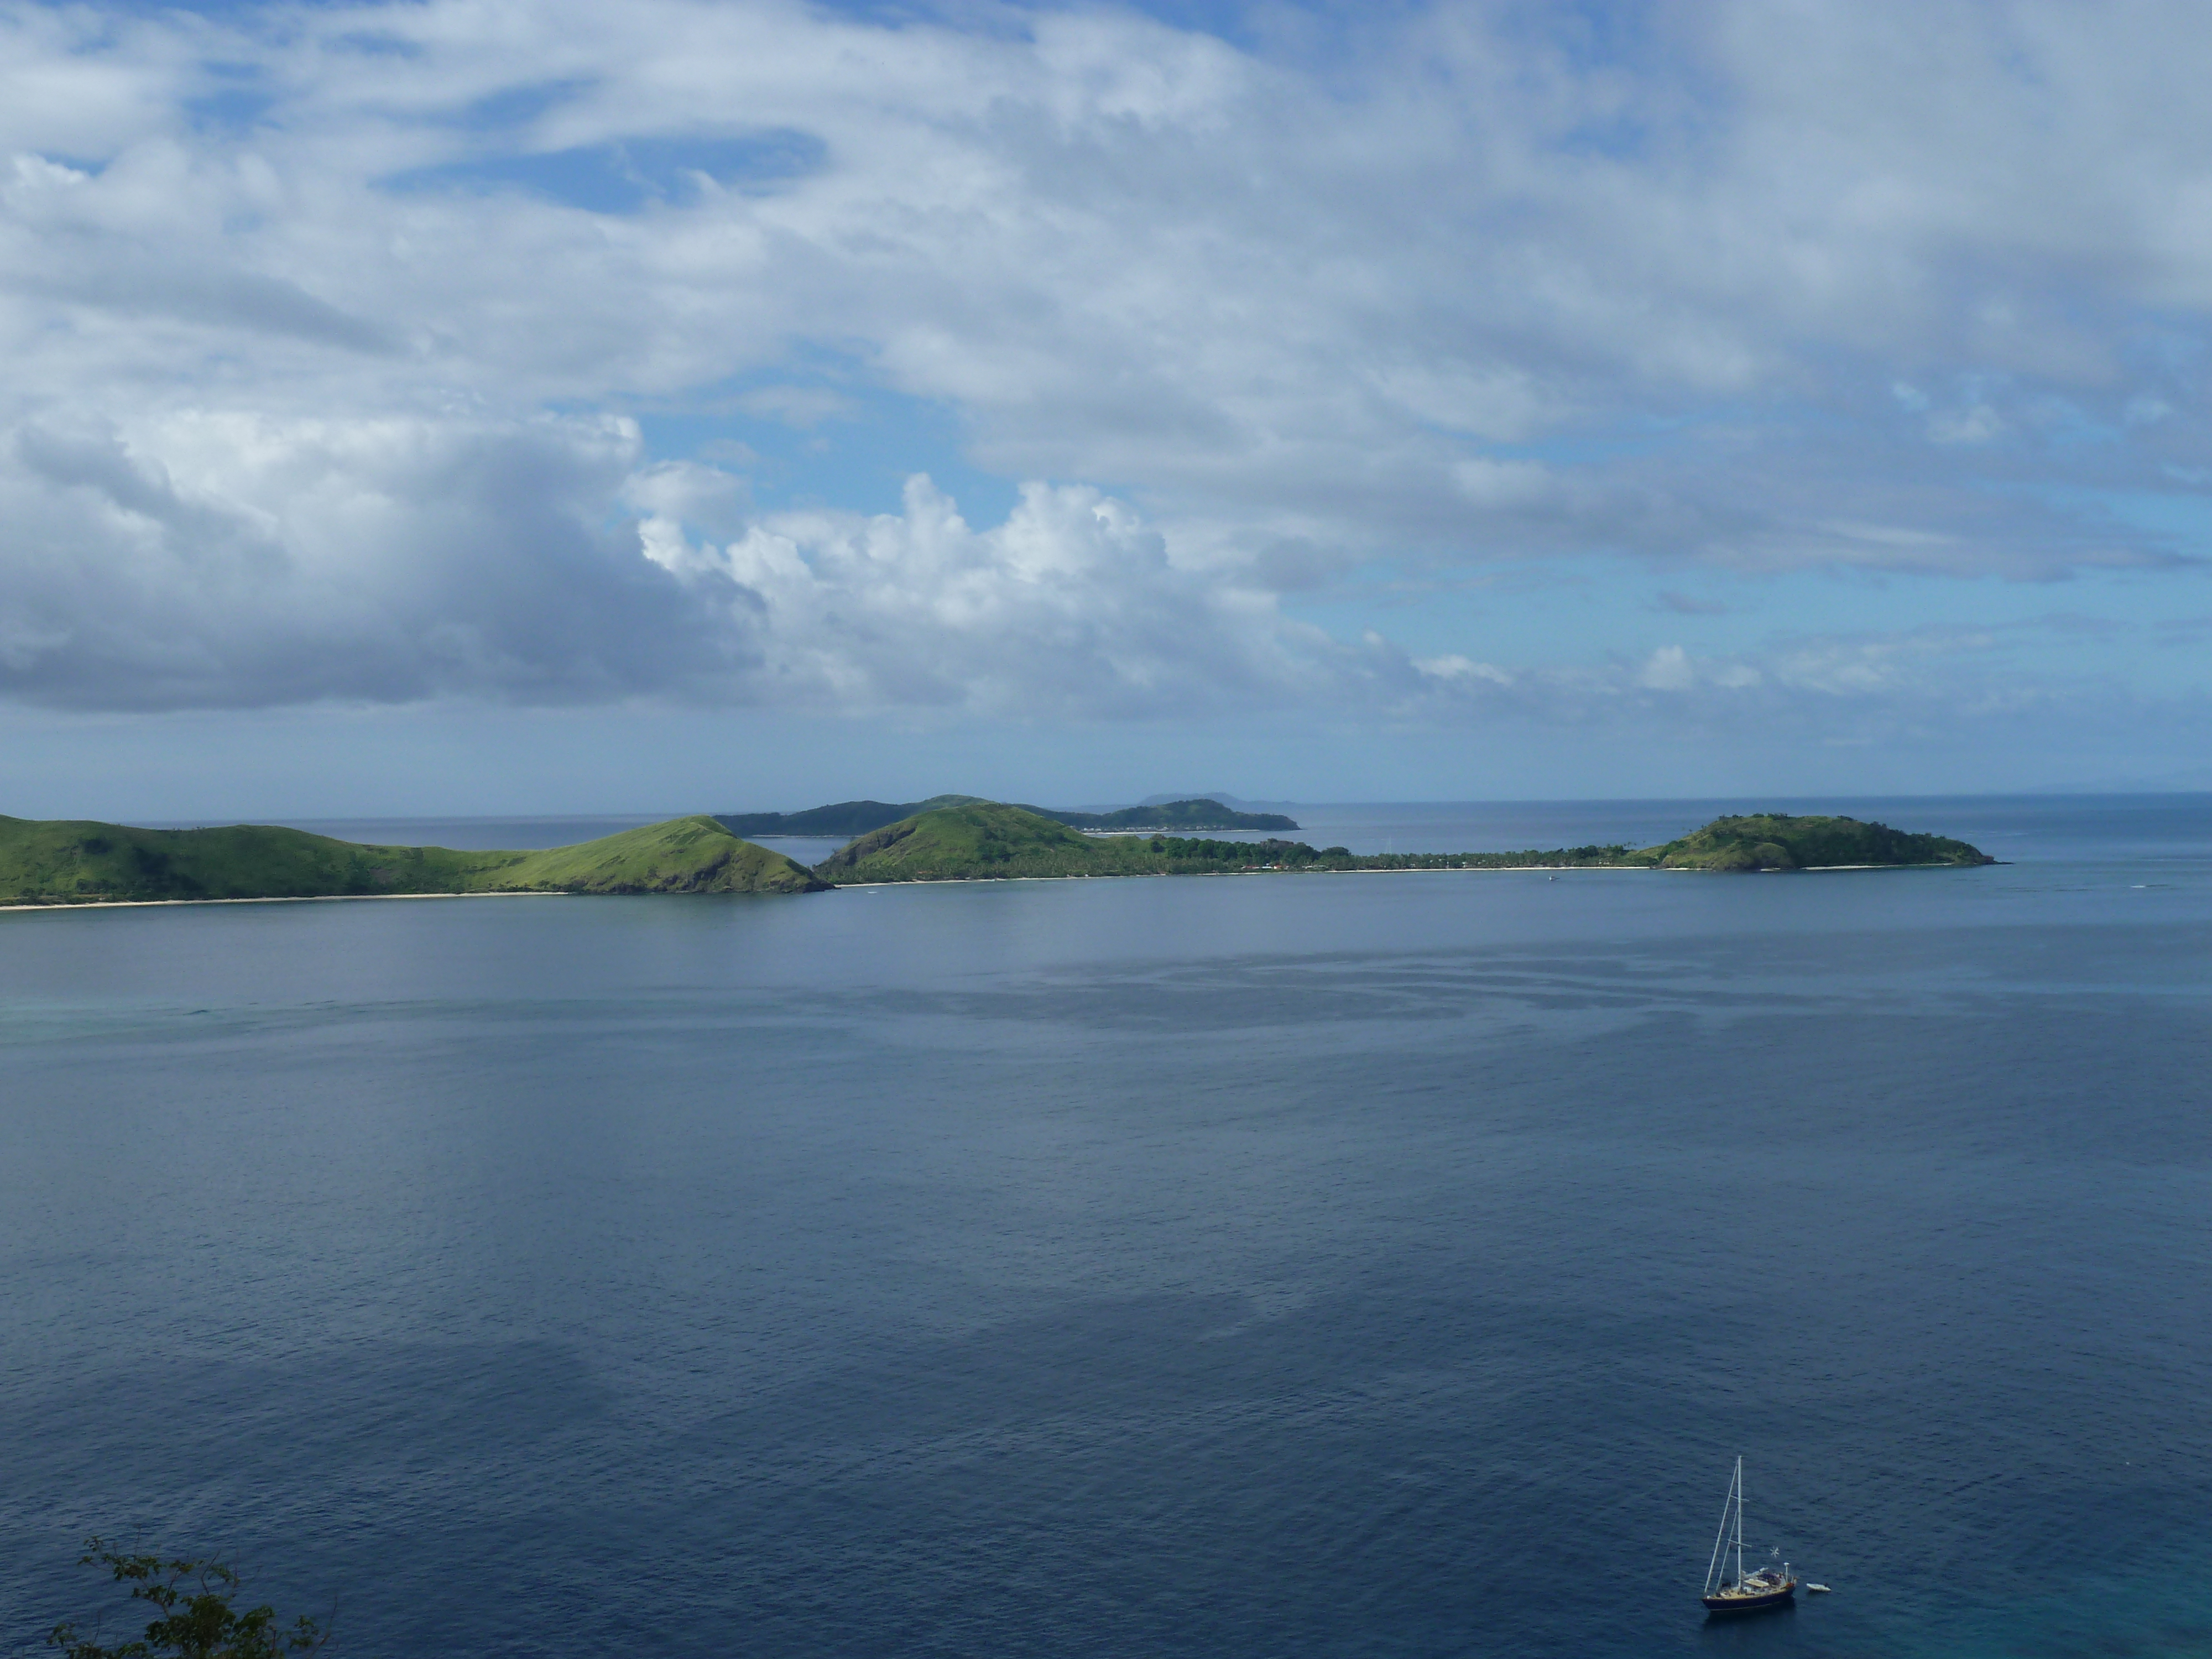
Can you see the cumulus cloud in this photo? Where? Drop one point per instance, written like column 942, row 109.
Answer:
column 320, row 321
column 216, row 561
column 226, row 562
column 1070, row 607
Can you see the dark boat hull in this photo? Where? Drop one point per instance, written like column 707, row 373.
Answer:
column 1780, row 1598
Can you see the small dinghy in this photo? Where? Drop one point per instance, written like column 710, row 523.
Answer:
column 1752, row 1592
column 1818, row 1589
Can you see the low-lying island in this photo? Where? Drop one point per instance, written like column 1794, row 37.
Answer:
column 62, row 862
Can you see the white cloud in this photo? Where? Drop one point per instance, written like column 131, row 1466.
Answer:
column 1070, row 607
column 299, row 403
column 1976, row 425
column 1667, row 669
column 1456, row 667
column 230, row 561
column 220, row 561
column 802, row 406
column 209, row 560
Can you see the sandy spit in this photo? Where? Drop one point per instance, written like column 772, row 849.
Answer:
column 1216, row 875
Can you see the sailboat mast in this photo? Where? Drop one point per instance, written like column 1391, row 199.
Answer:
column 1739, row 1522
column 1720, row 1543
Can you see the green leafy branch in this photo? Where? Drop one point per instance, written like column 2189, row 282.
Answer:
column 198, row 1618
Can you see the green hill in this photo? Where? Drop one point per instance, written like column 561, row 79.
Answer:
column 683, row 855
column 73, row 862
column 963, row 844
column 1776, row 840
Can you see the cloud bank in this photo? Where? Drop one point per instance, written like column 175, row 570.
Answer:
column 329, row 329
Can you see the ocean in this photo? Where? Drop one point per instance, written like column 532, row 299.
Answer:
column 1386, row 1265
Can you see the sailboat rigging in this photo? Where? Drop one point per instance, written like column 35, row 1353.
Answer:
column 1741, row 1592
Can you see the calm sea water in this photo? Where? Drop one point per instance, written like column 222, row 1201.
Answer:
column 1365, row 1264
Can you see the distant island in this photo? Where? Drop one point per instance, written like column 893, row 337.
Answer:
column 857, row 817
column 844, row 818
column 1200, row 813
column 69, row 862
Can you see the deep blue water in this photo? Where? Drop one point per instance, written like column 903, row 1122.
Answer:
column 1368, row 1265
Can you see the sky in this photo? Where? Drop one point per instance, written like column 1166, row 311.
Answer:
column 533, row 406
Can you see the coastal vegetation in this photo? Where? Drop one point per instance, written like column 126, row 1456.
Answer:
column 65, row 862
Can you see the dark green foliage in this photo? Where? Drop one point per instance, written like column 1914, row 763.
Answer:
column 1557, row 858
column 1177, row 856
column 198, row 1618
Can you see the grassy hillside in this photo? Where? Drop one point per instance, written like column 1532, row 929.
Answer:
column 77, row 862
column 1775, row 840
column 683, row 855
column 963, row 843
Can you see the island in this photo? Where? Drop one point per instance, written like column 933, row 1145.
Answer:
column 857, row 817
column 983, row 841
column 1775, row 840
column 71, row 862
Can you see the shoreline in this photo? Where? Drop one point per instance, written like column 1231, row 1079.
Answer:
column 282, row 898
column 1216, row 875
column 1434, row 870
column 976, row 881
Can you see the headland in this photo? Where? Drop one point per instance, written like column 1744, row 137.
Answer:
column 78, row 862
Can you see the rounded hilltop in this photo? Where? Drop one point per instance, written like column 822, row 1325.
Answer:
column 1778, row 841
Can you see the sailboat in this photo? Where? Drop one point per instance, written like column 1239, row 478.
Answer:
column 1742, row 1592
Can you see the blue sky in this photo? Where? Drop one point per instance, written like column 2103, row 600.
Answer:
column 473, row 407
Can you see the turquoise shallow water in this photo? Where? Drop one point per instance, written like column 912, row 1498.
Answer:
column 1361, row 1265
